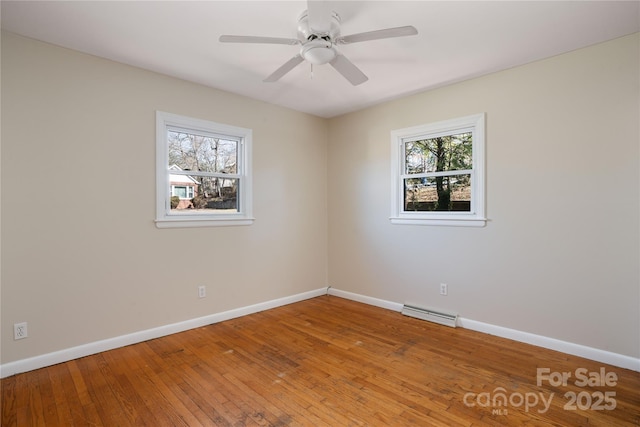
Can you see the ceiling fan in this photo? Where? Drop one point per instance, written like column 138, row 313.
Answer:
column 318, row 35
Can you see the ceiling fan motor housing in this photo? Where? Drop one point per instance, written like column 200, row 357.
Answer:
column 318, row 48
column 305, row 32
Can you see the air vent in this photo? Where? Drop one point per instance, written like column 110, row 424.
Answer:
column 436, row 316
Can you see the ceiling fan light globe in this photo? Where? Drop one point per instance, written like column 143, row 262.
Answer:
column 318, row 52
column 319, row 55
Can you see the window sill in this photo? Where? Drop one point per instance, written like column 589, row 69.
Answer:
column 208, row 222
column 450, row 222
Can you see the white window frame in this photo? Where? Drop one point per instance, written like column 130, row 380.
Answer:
column 476, row 217
column 164, row 217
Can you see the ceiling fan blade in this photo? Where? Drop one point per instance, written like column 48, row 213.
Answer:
column 348, row 70
column 378, row 34
column 284, row 69
column 257, row 39
column 319, row 16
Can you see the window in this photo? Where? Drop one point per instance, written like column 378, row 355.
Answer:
column 438, row 173
column 182, row 192
column 203, row 173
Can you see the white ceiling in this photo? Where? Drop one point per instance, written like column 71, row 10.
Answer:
column 457, row 40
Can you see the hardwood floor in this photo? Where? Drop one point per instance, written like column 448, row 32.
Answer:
column 323, row 362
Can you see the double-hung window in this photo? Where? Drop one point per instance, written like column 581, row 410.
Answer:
column 438, row 173
column 203, row 173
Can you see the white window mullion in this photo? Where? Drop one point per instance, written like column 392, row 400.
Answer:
column 435, row 174
column 208, row 174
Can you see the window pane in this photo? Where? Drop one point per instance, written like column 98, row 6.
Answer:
column 210, row 195
column 202, row 153
column 443, row 193
column 444, row 153
column 180, row 192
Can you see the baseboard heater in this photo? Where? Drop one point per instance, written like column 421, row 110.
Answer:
column 436, row 316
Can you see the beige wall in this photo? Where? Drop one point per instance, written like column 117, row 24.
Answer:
column 559, row 256
column 82, row 259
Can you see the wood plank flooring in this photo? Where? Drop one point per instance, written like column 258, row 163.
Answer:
column 326, row 361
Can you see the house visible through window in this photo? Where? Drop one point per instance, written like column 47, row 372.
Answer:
column 203, row 173
column 438, row 173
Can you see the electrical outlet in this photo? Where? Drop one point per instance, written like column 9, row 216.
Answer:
column 20, row 331
column 444, row 289
column 202, row 291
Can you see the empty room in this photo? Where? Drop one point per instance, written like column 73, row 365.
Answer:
column 320, row 213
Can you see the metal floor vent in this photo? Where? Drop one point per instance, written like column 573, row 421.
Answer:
column 436, row 316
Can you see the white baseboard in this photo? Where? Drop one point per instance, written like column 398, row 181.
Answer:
column 580, row 350
column 65, row 355
column 591, row 353
column 394, row 306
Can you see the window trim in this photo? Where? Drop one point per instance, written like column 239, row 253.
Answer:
column 476, row 217
column 164, row 218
